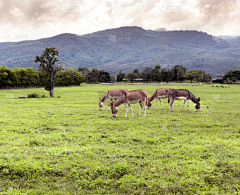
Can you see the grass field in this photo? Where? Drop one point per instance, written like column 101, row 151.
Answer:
column 67, row 146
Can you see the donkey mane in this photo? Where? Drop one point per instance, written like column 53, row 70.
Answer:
column 195, row 99
column 119, row 98
column 102, row 99
column 151, row 98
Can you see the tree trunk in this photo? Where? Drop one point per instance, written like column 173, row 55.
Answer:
column 51, row 92
column 51, row 89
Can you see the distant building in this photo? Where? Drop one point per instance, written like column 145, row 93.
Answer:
column 135, row 80
column 218, row 80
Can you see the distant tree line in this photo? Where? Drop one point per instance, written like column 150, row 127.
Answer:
column 158, row 74
column 177, row 73
column 95, row 75
column 232, row 75
column 28, row 76
column 149, row 74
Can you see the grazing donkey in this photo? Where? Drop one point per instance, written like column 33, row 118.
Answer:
column 131, row 97
column 111, row 95
column 182, row 94
column 158, row 94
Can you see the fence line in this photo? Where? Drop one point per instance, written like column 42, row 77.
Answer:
column 31, row 86
column 21, row 87
column 41, row 86
column 151, row 83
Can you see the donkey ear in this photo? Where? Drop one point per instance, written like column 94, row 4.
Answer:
column 199, row 99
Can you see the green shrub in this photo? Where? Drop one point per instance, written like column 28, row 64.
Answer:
column 33, row 95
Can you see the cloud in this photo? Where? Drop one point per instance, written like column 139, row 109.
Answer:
column 218, row 14
column 44, row 18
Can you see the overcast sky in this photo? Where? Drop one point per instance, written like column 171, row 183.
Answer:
column 35, row 19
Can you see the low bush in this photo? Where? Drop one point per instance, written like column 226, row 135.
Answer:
column 33, row 95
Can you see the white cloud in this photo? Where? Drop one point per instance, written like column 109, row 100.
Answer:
column 16, row 12
column 45, row 18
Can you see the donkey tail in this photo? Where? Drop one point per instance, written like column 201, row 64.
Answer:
column 168, row 97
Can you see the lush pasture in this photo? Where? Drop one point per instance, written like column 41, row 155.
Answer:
column 67, row 146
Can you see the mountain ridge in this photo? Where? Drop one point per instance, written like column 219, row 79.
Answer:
column 127, row 48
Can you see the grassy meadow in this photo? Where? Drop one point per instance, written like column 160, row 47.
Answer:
column 66, row 145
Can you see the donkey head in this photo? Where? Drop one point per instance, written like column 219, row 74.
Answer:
column 100, row 104
column 114, row 110
column 149, row 104
column 197, row 105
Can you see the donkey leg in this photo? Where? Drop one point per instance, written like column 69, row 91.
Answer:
column 187, row 105
column 183, row 104
column 126, row 109
column 157, row 103
column 130, row 108
column 145, row 107
column 141, row 107
column 171, row 104
column 160, row 102
column 125, row 105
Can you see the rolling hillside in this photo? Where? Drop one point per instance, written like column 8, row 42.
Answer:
column 127, row 48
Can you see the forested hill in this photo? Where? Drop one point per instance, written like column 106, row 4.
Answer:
column 231, row 39
column 127, row 48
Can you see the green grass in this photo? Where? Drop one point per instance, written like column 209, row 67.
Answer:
column 67, row 146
